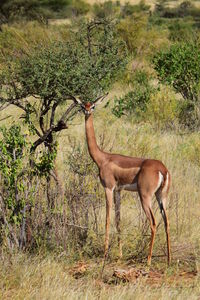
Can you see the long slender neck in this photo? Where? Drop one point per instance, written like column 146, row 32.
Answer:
column 96, row 154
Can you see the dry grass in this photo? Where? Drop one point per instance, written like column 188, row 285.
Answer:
column 24, row 277
column 149, row 2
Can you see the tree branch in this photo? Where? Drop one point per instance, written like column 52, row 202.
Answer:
column 70, row 108
column 43, row 113
column 53, row 113
column 59, row 126
column 13, row 102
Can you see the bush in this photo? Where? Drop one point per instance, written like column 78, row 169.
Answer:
column 84, row 199
column 141, row 39
column 21, row 178
column 184, row 9
column 132, row 30
column 160, row 7
column 79, row 8
column 41, row 10
column 136, row 100
column 128, row 9
column 180, row 67
column 162, row 109
column 181, row 31
column 14, row 191
column 106, row 9
column 15, row 10
column 189, row 115
column 33, row 211
column 187, row 8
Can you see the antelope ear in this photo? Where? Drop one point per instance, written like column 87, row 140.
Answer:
column 79, row 102
column 92, row 107
column 100, row 99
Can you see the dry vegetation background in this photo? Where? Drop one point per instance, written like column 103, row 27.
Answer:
column 63, row 259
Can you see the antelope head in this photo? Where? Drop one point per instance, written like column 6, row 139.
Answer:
column 89, row 107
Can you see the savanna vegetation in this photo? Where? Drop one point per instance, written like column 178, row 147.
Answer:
column 146, row 56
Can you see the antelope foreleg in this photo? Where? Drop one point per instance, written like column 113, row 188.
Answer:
column 109, row 197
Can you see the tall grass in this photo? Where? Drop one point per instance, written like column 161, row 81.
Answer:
column 24, row 277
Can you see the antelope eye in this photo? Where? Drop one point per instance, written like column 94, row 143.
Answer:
column 92, row 107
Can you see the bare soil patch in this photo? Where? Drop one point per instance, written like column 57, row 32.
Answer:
column 113, row 275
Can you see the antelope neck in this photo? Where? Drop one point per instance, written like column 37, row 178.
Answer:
column 97, row 155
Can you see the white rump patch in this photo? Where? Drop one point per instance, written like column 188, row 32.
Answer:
column 160, row 180
column 166, row 183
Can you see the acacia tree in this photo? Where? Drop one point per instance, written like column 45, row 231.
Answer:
column 84, row 66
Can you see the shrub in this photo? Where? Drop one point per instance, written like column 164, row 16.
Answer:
column 13, row 178
column 128, row 9
column 181, row 31
column 141, row 39
column 187, row 8
column 20, row 176
column 184, row 9
column 132, row 30
column 84, row 200
column 189, row 115
column 13, row 10
column 162, row 108
column 33, row 212
column 160, row 7
column 106, row 9
column 41, row 10
column 180, row 67
column 79, row 8
column 136, row 100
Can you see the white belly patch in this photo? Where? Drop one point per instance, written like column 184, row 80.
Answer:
column 129, row 187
